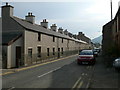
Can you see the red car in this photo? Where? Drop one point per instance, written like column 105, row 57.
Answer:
column 86, row 57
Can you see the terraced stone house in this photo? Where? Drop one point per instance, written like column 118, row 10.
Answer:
column 24, row 42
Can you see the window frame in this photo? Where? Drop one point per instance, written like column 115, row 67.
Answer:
column 39, row 36
column 30, row 54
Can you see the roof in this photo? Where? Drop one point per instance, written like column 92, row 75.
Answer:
column 39, row 28
column 110, row 22
column 118, row 12
column 10, row 37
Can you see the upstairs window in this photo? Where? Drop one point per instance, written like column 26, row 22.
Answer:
column 53, row 38
column 62, row 40
column 39, row 36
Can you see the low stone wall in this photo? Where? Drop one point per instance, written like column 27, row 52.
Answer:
column 44, row 57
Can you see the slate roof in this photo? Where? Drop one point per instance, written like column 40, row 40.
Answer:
column 39, row 28
column 10, row 37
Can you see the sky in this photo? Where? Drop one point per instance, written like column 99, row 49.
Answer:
column 87, row 16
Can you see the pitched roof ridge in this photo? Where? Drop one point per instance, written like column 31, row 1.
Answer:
column 39, row 28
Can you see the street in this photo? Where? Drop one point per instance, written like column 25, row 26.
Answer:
column 64, row 73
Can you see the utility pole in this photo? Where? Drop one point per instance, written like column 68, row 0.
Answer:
column 111, row 8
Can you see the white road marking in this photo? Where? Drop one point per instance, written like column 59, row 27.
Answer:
column 77, row 83
column 87, row 67
column 11, row 88
column 83, row 74
column 79, row 86
column 49, row 72
column 88, row 84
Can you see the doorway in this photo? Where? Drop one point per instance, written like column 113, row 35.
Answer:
column 18, row 56
column 58, row 52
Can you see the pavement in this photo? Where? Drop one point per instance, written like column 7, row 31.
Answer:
column 104, row 77
column 13, row 70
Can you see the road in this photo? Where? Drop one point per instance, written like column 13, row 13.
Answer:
column 64, row 73
column 60, row 74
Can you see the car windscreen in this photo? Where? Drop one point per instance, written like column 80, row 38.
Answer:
column 86, row 53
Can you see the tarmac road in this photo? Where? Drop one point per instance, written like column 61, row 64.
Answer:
column 63, row 73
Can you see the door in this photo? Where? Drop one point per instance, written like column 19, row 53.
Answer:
column 58, row 52
column 18, row 56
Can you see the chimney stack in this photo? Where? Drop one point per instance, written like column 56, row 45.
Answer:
column 30, row 18
column 70, row 34
column 7, row 11
column 44, row 23
column 75, row 36
column 60, row 30
column 66, row 32
column 54, row 27
column 80, row 33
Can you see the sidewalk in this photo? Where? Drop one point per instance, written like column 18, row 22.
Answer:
column 104, row 77
column 8, row 71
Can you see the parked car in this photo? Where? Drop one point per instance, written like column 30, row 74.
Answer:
column 95, row 52
column 86, row 57
column 116, row 63
column 98, row 50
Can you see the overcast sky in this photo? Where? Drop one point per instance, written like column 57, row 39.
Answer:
column 87, row 16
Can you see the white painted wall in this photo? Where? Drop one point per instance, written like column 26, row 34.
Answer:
column 11, row 54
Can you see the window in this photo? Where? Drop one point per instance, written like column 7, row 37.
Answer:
column 53, row 51
column 62, row 40
column 62, row 50
column 53, row 38
column 39, row 52
column 30, row 52
column 47, row 51
column 39, row 36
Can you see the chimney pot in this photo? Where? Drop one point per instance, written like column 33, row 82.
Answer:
column 44, row 24
column 6, row 3
column 45, row 20
column 54, row 27
column 30, row 18
column 29, row 14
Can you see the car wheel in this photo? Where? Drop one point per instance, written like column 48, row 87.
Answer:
column 79, row 63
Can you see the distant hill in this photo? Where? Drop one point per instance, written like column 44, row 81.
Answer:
column 97, row 40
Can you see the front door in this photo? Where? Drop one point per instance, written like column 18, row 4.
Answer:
column 58, row 52
column 18, row 56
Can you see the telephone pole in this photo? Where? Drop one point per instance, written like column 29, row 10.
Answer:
column 111, row 9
